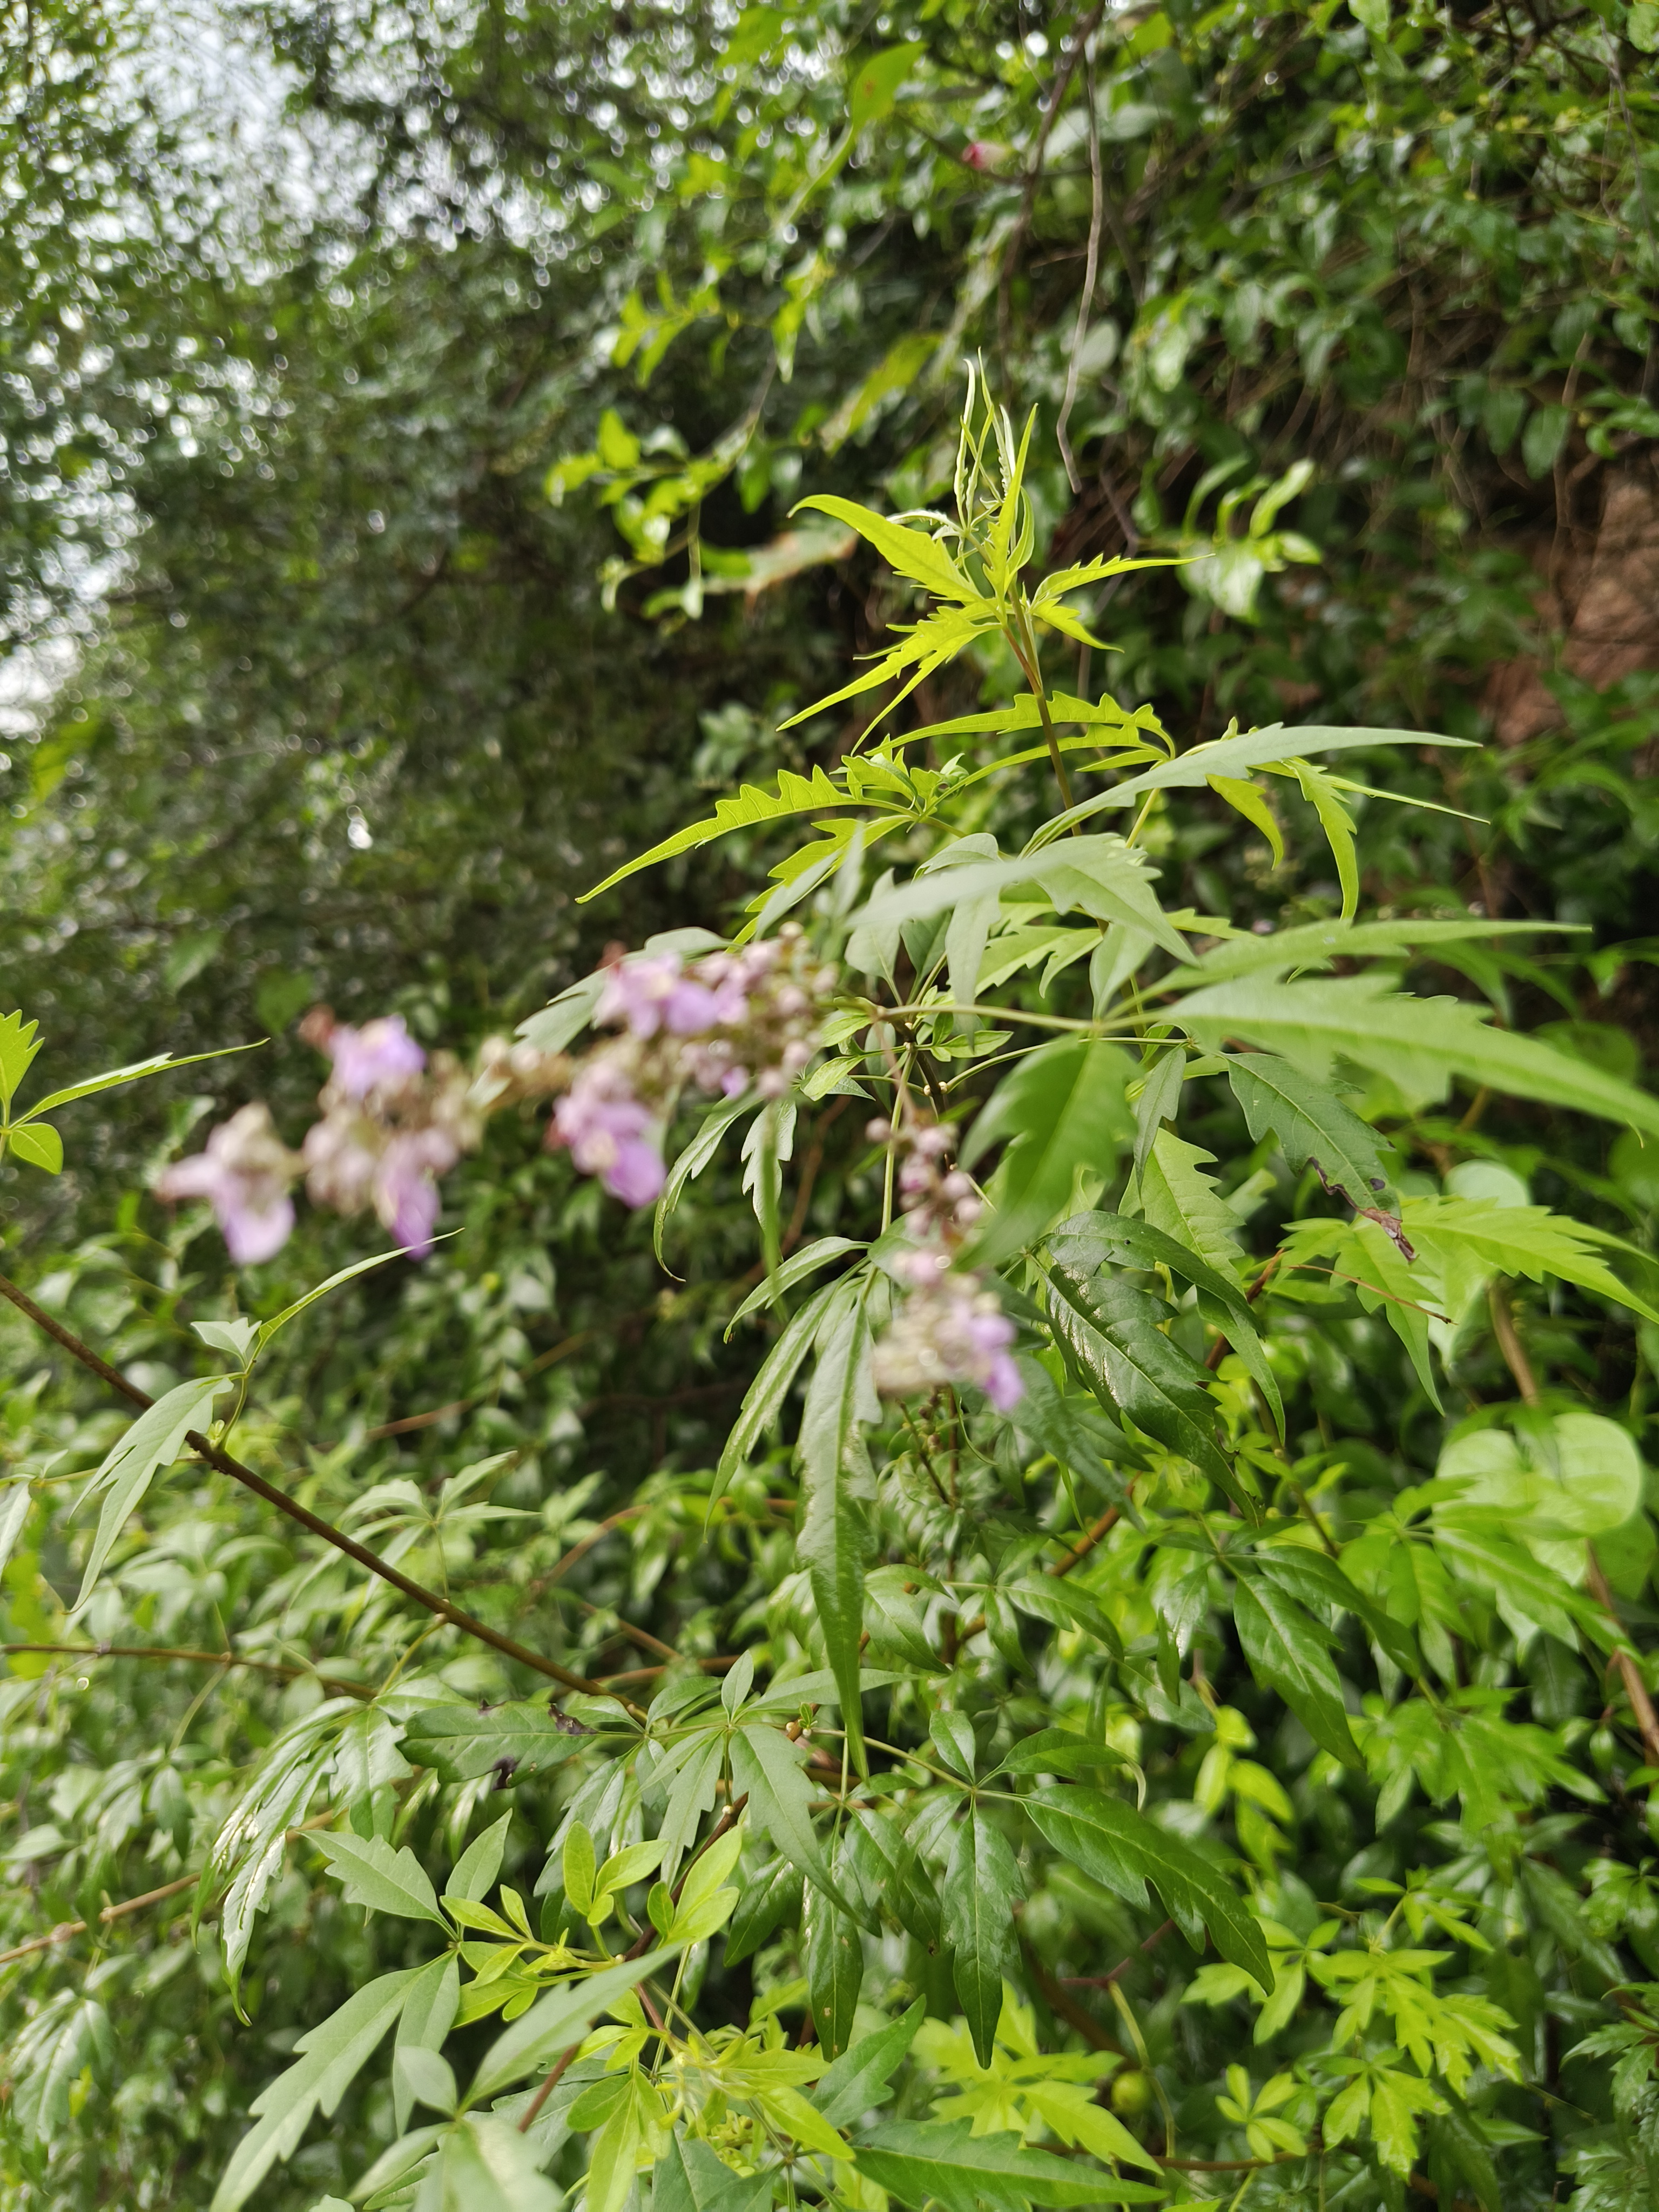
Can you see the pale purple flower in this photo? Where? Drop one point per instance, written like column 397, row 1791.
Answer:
column 609, row 1132
column 381, row 1052
column 990, row 1334
column 405, row 1191
column 244, row 1174
column 341, row 1154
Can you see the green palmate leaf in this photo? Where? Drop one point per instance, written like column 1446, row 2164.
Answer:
column 766, row 1394
column 19, row 1042
column 386, row 1880
column 1316, row 945
column 982, row 1885
column 37, row 1143
column 333, row 2054
column 920, row 2162
column 1480, row 1235
column 1113, row 1337
column 912, row 553
column 839, row 1493
column 1419, row 1044
column 835, row 1971
column 690, row 2178
column 1311, row 1124
column 548, row 2029
column 795, row 794
column 1044, row 1598
column 1177, row 1197
column 1090, row 1240
column 1099, row 876
column 514, row 1742
column 1125, row 1850
column 156, row 1439
column 1235, row 756
column 1061, row 1108
column 859, row 2078
column 1288, row 1651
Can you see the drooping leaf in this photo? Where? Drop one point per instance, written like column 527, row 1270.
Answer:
column 333, row 2054
column 156, row 1439
column 982, row 1885
column 427, row 2014
column 1311, row 1122
column 839, row 1493
column 835, row 1970
column 766, row 1394
column 1288, row 1651
column 766, row 1903
column 920, row 2162
column 1124, row 1850
column 1112, row 1337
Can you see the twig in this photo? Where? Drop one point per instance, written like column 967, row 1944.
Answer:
column 1059, row 2001
column 67, row 1930
column 1106, row 1981
column 333, row 1683
column 530, row 2110
column 1223, row 1344
column 222, row 1463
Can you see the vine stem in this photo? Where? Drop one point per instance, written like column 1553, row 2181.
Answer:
column 222, row 1463
column 335, row 1684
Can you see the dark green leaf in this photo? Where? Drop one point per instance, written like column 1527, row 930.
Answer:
column 1311, row 1123
column 1124, row 1850
column 1288, row 1651
column 859, row 2078
column 982, row 1882
column 926, row 2161
column 835, row 1971
column 514, row 1741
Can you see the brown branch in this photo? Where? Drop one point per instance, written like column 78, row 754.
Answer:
column 1106, row 1521
column 534, row 2106
column 222, row 1463
column 413, row 1421
column 333, row 1683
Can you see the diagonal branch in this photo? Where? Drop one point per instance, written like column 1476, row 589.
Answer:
column 222, row 1463
column 334, row 1684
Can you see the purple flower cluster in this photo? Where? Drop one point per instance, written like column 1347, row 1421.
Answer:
column 392, row 1123
column 727, row 1023
column 950, row 1327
